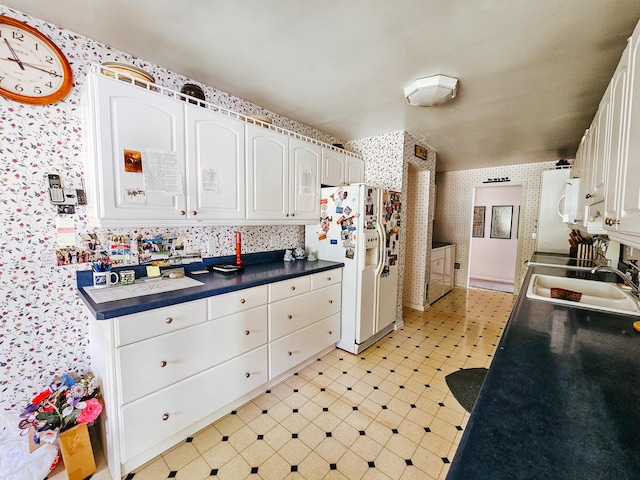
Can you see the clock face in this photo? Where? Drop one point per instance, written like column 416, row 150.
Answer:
column 32, row 68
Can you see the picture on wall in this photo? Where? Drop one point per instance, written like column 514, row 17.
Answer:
column 478, row 222
column 501, row 221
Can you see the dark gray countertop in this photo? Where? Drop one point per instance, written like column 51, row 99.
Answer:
column 266, row 269
column 561, row 399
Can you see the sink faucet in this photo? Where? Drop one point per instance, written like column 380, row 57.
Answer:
column 607, row 268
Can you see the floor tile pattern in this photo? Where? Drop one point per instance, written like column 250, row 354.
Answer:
column 384, row 414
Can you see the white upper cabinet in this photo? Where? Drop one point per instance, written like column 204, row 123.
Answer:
column 340, row 168
column 215, row 165
column 123, row 123
column 267, row 174
column 305, row 161
column 282, row 177
column 625, row 225
column 600, row 134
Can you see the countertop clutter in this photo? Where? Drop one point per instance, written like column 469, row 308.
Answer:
column 259, row 269
column 562, row 396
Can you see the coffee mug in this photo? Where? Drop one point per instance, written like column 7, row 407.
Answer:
column 104, row 279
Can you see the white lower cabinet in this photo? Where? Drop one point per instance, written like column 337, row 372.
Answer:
column 441, row 276
column 167, row 373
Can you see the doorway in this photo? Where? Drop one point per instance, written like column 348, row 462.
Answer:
column 493, row 247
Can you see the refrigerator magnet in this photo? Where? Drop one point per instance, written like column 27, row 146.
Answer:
column 347, row 210
column 349, row 253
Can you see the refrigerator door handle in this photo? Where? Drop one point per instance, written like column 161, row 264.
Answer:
column 382, row 249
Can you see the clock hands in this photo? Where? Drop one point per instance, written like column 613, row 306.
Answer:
column 13, row 54
column 31, row 65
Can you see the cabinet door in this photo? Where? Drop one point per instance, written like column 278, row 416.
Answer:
column 129, row 120
column 354, row 170
column 304, row 182
column 215, row 165
column 618, row 88
column 267, row 174
column 333, row 168
column 629, row 207
column 601, row 129
column 449, row 259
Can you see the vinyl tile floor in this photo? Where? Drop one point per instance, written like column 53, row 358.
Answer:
column 385, row 414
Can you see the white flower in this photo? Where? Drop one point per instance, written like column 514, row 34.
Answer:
column 67, row 410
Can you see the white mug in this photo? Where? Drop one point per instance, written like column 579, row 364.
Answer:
column 104, row 279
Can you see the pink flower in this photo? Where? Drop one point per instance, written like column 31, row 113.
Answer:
column 90, row 412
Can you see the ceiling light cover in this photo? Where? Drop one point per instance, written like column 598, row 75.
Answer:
column 430, row 91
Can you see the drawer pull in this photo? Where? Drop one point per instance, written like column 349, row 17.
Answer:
column 165, row 417
column 163, row 364
column 169, row 320
column 247, row 375
column 247, row 332
column 328, row 279
column 242, row 300
column 293, row 288
column 289, row 353
column 289, row 317
column 330, row 301
column 330, row 332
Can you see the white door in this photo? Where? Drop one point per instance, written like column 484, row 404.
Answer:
column 305, row 161
column 215, row 165
column 132, row 120
column 354, row 170
column 267, row 174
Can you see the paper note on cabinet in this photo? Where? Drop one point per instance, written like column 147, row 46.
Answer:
column 209, row 181
column 161, row 172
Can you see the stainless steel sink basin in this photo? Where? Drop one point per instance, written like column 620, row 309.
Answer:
column 603, row 296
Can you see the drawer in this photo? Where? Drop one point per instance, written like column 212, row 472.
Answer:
column 324, row 279
column 234, row 302
column 291, row 314
column 159, row 416
column 156, row 363
column 289, row 351
column 140, row 326
column 289, row 288
column 437, row 254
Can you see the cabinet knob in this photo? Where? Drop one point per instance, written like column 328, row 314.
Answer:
column 293, row 288
column 289, row 317
column 588, row 195
column 330, row 332
column 242, row 300
column 194, row 212
column 247, row 332
column 293, row 214
column 328, row 279
column 330, row 301
column 247, row 375
column 165, row 417
column 182, row 212
column 289, row 353
column 163, row 364
column 168, row 320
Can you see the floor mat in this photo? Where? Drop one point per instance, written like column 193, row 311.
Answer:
column 465, row 385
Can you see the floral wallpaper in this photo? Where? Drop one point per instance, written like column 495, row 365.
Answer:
column 43, row 323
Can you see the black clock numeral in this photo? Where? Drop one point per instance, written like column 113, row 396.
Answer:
column 37, row 90
column 18, row 88
column 18, row 36
column 49, row 84
column 48, row 59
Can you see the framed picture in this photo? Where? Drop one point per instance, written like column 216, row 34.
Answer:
column 478, row 222
column 501, row 221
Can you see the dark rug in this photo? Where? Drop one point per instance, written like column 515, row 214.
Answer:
column 465, row 385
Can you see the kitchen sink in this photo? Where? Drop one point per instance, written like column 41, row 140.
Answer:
column 596, row 295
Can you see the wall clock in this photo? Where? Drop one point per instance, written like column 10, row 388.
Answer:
column 32, row 68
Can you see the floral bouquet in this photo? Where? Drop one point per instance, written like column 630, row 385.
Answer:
column 68, row 401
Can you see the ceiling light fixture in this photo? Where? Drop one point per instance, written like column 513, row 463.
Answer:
column 430, row 91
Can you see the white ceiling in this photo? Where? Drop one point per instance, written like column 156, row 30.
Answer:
column 531, row 72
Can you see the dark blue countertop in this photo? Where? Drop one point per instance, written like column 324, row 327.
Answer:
column 259, row 269
column 561, row 398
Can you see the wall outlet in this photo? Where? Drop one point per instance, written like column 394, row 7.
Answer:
column 275, row 241
column 456, row 265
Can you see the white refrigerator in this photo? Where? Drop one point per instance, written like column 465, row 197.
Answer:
column 360, row 226
column 553, row 233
